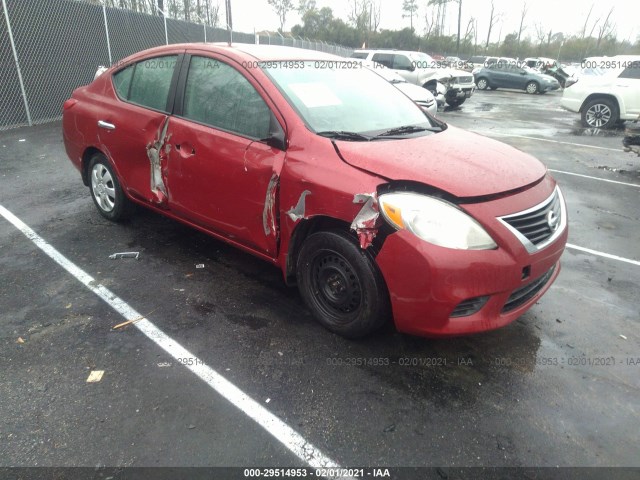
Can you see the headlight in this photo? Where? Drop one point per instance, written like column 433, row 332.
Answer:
column 434, row 221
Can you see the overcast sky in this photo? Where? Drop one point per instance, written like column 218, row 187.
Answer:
column 565, row 16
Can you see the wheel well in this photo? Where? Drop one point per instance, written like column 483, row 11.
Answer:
column 303, row 230
column 86, row 156
column 595, row 96
column 320, row 223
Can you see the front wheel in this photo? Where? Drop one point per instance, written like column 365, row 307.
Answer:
column 456, row 102
column 105, row 189
column 600, row 113
column 482, row 84
column 532, row 87
column 341, row 284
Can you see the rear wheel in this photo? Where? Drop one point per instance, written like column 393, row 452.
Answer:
column 482, row 84
column 341, row 284
column 600, row 113
column 105, row 189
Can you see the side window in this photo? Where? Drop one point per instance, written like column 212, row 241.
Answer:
column 385, row 59
column 151, row 82
column 402, row 62
column 631, row 72
column 218, row 95
column 122, row 81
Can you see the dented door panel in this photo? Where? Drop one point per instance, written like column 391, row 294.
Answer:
column 220, row 180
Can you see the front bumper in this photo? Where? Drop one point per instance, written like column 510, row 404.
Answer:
column 571, row 104
column 460, row 91
column 426, row 283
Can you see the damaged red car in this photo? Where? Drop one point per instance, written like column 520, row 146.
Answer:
column 374, row 209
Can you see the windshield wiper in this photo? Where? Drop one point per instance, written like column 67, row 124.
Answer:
column 406, row 129
column 343, row 135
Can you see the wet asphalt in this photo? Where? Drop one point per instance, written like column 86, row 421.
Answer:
column 536, row 393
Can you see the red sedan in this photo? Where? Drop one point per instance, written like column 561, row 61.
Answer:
column 376, row 210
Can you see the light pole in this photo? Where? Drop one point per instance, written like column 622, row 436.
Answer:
column 164, row 16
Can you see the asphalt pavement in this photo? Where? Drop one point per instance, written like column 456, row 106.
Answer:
column 558, row 387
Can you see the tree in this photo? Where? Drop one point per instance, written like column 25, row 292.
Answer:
column 305, row 6
column 410, row 7
column 459, row 21
column 524, row 14
column 605, row 29
column 493, row 19
column 282, row 8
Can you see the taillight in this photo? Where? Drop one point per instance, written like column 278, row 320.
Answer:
column 68, row 104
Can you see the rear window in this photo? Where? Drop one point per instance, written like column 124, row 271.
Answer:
column 151, row 82
column 362, row 55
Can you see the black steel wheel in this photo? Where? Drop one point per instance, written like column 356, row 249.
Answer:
column 341, row 284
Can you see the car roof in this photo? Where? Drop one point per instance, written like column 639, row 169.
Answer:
column 242, row 51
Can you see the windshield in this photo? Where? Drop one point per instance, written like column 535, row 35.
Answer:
column 336, row 96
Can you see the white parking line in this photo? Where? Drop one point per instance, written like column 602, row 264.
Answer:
column 602, row 254
column 595, row 178
column 551, row 141
column 286, row 435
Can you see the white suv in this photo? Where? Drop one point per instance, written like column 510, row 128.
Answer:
column 604, row 100
column 420, row 69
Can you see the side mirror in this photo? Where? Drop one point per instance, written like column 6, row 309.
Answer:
column 276, row 138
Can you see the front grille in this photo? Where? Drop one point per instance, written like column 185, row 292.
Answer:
column 465, row 79
column 469, row 306
column 524, row 294
column 538, row 225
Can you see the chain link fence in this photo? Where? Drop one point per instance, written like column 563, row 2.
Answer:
column 48, row 48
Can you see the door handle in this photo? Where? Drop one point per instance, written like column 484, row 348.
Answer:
column 106, row 125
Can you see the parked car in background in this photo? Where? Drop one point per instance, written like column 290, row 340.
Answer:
column 422, row 70
column 509, row 75
column 477, row 61
column 421, row 96
column 609, row 96
column 373, row 209
column 549, row 66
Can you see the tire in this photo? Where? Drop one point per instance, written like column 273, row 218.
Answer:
column 106, row 191
column 482, row 83
column 532, row 87
column 600, row 113
column 456, row 102
column 341, row 284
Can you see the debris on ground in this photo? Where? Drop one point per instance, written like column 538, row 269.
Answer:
column 128, row 322
column 95, row 376
column 558, row 320
column 116, row 256
column 267, row 400
column 623, row 337
column 200, row 265
column 20, row 340
column 164, row 364
column 390, row 428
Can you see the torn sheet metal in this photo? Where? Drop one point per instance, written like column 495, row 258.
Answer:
column 365, row 222
column 298, row 212
column 156, row 155
column 269, row 214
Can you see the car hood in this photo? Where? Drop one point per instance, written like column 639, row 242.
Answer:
column 414, row 92
column 444, row 73
column 461, row 163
